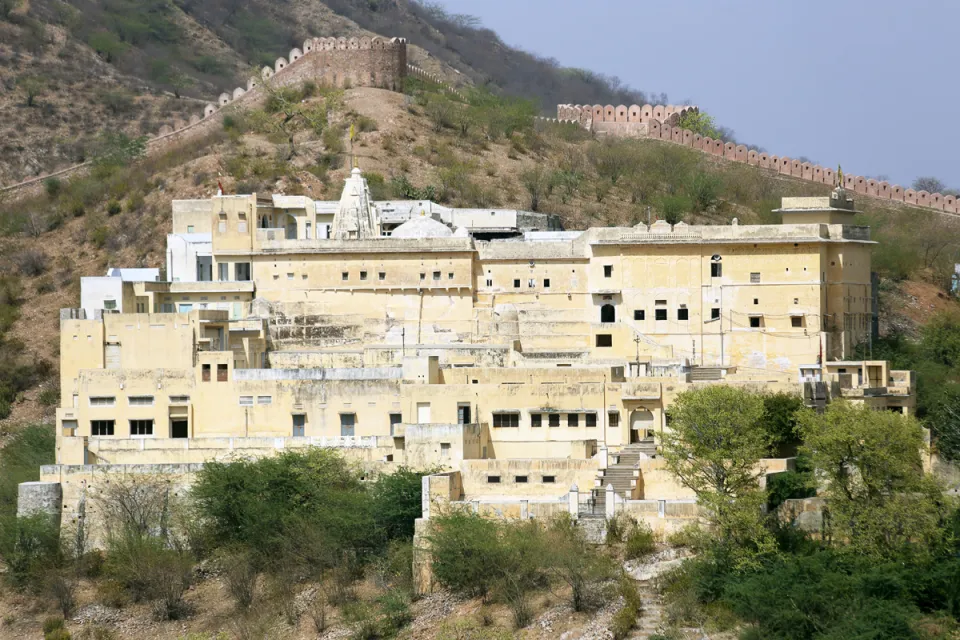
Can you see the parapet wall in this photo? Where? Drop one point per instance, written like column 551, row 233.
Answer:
column 340, row 62
column 661, row 123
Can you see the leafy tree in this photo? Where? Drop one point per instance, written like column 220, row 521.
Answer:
column 700, row 122
column 537, row 183
column 107, row 45
column 780, row 418
column 879, row 498
column 117, row 149
column 33, row 87
column 397, row 501
column 577, row 563
column 466, row 553
column 713, row 446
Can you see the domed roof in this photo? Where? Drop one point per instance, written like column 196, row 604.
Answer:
column 422, row 227
column 461, row 232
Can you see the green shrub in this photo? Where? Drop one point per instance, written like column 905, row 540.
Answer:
column 703, row 189
column 52, row 186
column 673, row 208
column 640, row 542
column 625, row 619
column 31, row 548
column 397, row 501
column 113, row 208
column 20, row 461
column 50, row 397
column 466, row 553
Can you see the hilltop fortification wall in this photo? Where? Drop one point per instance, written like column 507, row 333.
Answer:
column 340, row 62
column 661, row 122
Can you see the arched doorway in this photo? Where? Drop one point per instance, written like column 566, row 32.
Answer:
column 608, row 313
column 641, row 424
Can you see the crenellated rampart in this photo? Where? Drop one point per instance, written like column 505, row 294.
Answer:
column 340, row 62
column 661, row 122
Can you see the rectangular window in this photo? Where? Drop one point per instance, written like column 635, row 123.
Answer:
column 423, row 277
column 102, row 401
column 716, row 270
column 395, row 419
column 613, row 418
column 520, row 479
column 714, row 313
column 189, row 228
column 264, row 399
column 242, row 271
column 639, row 314
column 493, row 479
column 223, row 271
column 381, row 276
column 436, row 275
column 489, row 282
column 683, row 314
column 450, row 276
column 554, row 419
column 506, row 420
column 363, row 275
column 546, row 283
column 796, row 321
column 101, row 427
column 531, row 283
column 660, row 314
column 536, row 420
column 445, row 450
column 221, row 373
column 205, row 373
column 604, row 340
column 549, row 479
column 140, row 401
column 246, row 401
column 590, row 419
column 573, row 420
column 607, row 270
column 179, row 399
column 756, row 322
column 299, row 425
column 141, row 427
column 345, row 275
column 516, row 283
column 348, row 424
column 755, row 277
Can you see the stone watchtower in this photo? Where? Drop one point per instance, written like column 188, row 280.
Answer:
column 357, row 217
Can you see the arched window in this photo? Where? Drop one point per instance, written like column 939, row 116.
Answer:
column 608, row 313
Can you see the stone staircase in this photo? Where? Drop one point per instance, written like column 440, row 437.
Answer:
column 650, row 622
column 701, row 374
column 622, row 474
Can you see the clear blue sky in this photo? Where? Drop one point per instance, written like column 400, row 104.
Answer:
column 870, row 84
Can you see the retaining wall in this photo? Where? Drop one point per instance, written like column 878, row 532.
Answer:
column 340, row 62
column 661, row 122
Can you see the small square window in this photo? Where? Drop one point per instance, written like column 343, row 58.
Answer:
column 755, row 322
column 289, row 276
column 756, row 301
column 363, row 275
column 493, row 479
column 345, row 276
column 450, row 276
column 520, row 479
column 221, row 373
column 660, row 314
column 423, row 277
column 536, row 420
column 604, row 340
column 246, row 401
column 436, row 275
column 546, row 283
column 796, row 301
column 607, row 270
column 554, row 420
column 549, row 479
column 683, row 314
column 573, row 420
column 516, row 283
column 590, row 419
column 796, row 321
column 639, row 314
column 381, row 276
column 755, row 278
column 714, row 313
column 613, row 418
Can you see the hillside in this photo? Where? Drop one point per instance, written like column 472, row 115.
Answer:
column 68, row 88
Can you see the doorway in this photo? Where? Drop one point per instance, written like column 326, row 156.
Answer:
column 608, row 313
column 179, row 428
column 299, row 425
